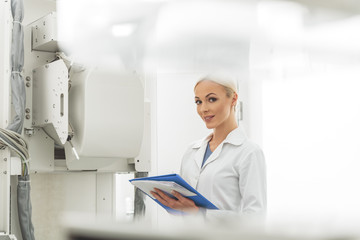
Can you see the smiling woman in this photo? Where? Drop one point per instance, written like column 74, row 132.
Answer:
column 225, row 167
column 215, row 99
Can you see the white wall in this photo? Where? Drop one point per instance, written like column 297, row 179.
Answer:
column 310, row 121
column 311, row 129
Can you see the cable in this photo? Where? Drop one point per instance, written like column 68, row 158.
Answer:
column 16, row 143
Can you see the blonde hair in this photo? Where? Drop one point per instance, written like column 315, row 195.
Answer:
column 227, row 82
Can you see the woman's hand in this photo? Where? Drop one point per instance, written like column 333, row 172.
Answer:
column 181, row 203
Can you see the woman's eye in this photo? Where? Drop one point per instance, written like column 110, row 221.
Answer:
column 197, row 102
column 212, row 99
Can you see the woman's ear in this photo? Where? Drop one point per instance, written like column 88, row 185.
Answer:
column 234, row 100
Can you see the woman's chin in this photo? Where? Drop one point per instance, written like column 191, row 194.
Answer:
column 210, row 126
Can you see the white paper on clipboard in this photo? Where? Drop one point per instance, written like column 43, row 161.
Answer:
column 166, row 186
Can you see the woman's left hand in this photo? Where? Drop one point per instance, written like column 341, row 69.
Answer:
column 181, row 203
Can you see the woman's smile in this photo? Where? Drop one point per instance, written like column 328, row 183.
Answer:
column 208, row 118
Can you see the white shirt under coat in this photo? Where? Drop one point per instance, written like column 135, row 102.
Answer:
column 233, row 178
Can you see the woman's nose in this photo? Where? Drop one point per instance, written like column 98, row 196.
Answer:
column 204, row 107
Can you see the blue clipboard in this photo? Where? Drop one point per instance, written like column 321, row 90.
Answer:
column 199, row 200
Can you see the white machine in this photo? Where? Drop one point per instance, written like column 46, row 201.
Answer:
column 89, row 117
column 82, row 122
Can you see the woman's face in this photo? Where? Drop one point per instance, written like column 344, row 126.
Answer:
column 213, row 106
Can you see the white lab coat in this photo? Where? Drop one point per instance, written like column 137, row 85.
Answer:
column 233, row 178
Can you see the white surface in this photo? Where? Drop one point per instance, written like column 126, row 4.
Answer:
column 32, row 60
column 44, row 34
column 143, row 160
column 191, row 228
column 41, row 151
column 5, row 29
column 105, row 194
column 50, row 99
column 322, row 129
column 54, row 194
column 94, row 29
column 217, row 39
column 125, row 193
column 5, row 41
column 166, row 186
column 35, row 9
column 15, row 166
column 310, row 114
column 5, row 190
column 107, row 113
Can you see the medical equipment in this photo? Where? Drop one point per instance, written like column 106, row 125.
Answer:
column 77, row 118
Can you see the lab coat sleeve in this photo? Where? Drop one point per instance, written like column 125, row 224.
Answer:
column 252, row 183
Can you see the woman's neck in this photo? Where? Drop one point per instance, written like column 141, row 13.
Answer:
column 221, row 132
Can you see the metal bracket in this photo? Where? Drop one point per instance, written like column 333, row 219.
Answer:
column 50, row 100
column 5, row 190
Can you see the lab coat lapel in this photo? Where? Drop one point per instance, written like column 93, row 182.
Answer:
column 236, row 137
column 201, row 145
column 213, row 156
column 199, row 156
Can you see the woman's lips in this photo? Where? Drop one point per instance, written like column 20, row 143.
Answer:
column 208, row 118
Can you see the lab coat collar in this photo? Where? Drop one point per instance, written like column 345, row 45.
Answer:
column 235, row 137
column 200, row 142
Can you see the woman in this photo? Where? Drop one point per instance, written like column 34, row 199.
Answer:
column 225, row 167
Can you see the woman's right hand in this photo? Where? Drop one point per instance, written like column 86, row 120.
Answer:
column 180, row 203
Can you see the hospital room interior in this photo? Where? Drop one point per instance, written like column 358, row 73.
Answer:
column 98, row 96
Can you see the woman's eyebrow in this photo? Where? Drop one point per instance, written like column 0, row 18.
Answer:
column 206, row 95
column 210, row 94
